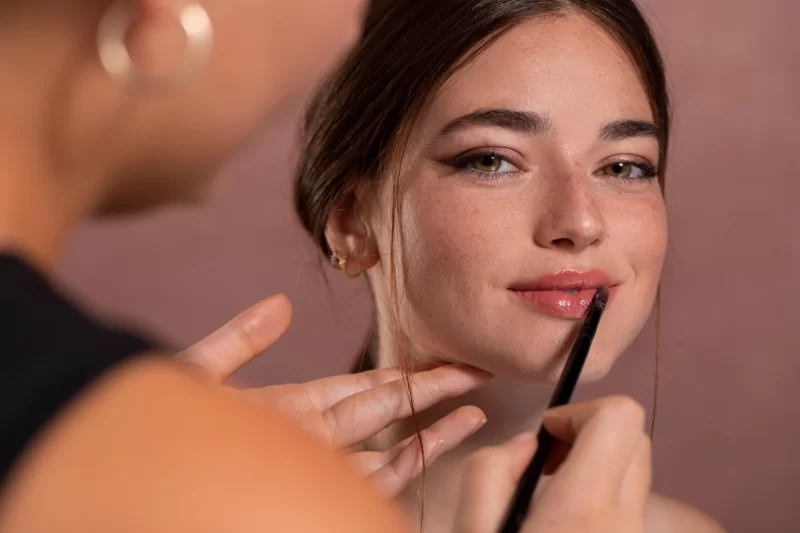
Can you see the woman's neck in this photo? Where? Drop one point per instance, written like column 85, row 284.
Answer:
column 511, row 407
column 50, row 176
column 37, row 212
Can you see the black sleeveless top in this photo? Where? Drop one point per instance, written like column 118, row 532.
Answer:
column 49, row 352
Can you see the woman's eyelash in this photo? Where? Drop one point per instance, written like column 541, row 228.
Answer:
column 494, row 163
column 627, row 170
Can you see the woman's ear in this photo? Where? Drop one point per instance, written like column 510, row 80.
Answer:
column 350, row 236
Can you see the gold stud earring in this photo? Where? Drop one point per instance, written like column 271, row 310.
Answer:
column 116, row 59
column 340, row 262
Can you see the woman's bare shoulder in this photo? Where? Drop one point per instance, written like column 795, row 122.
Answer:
column 667, row 515
column 151, row 448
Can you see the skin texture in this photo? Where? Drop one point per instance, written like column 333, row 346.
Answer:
column 466, row 237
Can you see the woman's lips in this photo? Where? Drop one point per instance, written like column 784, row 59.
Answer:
column 565, row 294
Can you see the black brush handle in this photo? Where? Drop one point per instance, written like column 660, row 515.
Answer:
column 523, row 496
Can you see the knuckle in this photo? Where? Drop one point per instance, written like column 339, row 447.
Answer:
column 332, row 421
column 242, row 339
column 388, row 399
column 365, row 382
column 375, row 380
column 430, row 440
column 409, row 463
column 393, row 478
column 432, row 384
column 393, row 404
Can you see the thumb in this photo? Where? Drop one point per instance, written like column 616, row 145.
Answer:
column 228, row 349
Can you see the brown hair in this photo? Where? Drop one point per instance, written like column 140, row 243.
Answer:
column 358, row 123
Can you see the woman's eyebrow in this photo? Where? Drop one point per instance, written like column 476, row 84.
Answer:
column 625, row 129
column 527, row 122
column 532, row 123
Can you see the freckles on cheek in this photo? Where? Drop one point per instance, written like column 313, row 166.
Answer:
column 440, row 236
column 647, row 238
column 430, row 235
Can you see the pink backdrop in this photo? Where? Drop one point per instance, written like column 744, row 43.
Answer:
column 729, row 404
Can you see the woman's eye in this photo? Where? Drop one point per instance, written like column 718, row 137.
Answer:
column 490, row 164
column 630, row 171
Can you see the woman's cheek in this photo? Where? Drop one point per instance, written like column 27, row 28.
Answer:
column 453, row 234
column 648, row 244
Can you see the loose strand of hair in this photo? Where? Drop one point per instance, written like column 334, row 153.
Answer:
column 400, row 344
column 657, row 370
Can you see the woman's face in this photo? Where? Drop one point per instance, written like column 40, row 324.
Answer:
column 530, row 183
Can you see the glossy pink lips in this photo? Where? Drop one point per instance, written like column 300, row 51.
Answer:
column 566, row 294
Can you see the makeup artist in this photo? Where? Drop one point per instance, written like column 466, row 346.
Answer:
column 115, row 107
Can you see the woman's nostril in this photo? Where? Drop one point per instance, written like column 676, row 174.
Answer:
column 563, row 243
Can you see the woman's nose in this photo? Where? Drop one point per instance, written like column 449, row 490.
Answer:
column 570, row 219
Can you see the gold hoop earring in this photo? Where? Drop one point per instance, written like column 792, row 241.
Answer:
column 339, row 262
column 116, row 59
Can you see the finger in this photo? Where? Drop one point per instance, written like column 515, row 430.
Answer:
column 406, row 461
column 362, row 415
column 332, row 390
column 452, row 429
column 638, row 479
column 226, row 350
column 406, row 465
column 489, row 484
column 604, row 434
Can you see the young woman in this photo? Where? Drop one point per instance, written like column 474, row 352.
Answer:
column 488, row 165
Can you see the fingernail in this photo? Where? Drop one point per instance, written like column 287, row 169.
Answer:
column 272, row 303
column 523, row 437
column 478, row 426
column 486, row 375
column 437, row 448
column 277, row 297
column 486, row 382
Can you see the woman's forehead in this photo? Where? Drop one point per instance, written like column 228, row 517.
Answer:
column 550, row 66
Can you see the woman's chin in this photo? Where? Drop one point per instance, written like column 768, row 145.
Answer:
column 547, row 371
